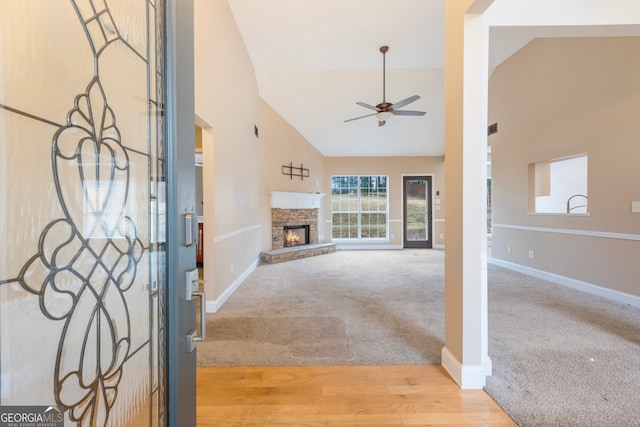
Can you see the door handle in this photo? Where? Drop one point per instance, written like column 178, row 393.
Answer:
column 193, row 338
column 192, row 291
column 203, row 316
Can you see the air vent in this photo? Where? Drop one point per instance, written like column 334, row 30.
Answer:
column 491, row 129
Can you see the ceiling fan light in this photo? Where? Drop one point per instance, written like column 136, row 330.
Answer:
column 383, row 116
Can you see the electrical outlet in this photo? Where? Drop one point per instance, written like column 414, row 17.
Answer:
column 393, row 236
column 635, row 207
column 441, row 235
column 530, row 254
column 231, row 268
column 508, row 249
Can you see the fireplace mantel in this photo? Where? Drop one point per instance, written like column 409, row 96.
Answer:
column 287, row 200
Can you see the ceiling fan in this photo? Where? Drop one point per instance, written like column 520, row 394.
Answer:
column 386, row 109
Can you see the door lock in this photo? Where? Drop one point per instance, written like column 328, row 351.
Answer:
column 192, row 290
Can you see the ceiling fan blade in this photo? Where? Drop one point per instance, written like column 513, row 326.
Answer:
column 365, row 105
column 408, row 113
column 407, row 101
column 361, row 117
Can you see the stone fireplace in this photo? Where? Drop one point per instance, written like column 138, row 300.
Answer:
column 295, row 215
column 297, row 221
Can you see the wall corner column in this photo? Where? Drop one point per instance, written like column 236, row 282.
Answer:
column 465, row 355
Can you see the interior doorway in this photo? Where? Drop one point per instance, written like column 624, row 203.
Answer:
column 417, row 212
column 199, row 198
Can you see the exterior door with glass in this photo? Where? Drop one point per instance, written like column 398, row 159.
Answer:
column 83, row 208
column 417, row 211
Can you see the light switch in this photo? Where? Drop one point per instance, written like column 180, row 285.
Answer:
column 635, row 207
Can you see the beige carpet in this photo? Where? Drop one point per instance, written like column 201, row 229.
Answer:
column 344, row 308
column 561, row 357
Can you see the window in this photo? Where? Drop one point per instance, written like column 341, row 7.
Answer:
column 489, row 206
column 559, row 186
column 359, row 207
column 489, row 182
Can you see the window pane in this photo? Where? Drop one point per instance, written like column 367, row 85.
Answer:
column 352, row 201
column 416, row 227
column 364, row 199
column 378, row 225
column 335, row 225
column 359, row 201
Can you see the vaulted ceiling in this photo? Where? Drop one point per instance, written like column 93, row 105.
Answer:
column 315, row 59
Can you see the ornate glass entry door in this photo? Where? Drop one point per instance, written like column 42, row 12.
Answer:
column 82, row 208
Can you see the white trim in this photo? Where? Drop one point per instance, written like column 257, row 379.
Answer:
column 329, row 221
column 288, row 200
column 360, row 240
column 558, row 214
column 224, row 237
column 356, row 247
column 467, row 376
column 587, row 233
column 579, row 285
column 214, row 306
column 487, row 365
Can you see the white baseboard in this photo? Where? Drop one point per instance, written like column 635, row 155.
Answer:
column 579, row 285
column 467, row 376
column 487, row 366
column 357, row 247
column 214, row 306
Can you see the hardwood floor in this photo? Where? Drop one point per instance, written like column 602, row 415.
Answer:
column 406, row 395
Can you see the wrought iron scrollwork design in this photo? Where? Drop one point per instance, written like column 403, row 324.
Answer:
column 88, row 260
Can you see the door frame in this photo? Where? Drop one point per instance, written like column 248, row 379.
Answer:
column 427, row 244
column 180, row 134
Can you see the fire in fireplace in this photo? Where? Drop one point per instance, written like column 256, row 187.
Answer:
column 296, row 235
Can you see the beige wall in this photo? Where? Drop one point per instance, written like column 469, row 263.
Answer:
column 245, row 168
column 394, row 168
column 556, row 98
column 280, row 144
column 226, row 98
